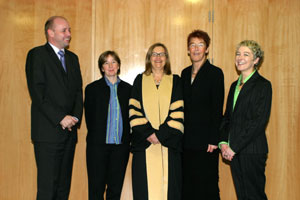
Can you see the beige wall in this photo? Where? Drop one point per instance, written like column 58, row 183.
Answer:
column 130, row 27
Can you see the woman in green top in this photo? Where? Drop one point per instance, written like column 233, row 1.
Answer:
column 243, row 139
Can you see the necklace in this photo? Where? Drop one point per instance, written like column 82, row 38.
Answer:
column 194, row 71
column 157, row 79
column 157, row 82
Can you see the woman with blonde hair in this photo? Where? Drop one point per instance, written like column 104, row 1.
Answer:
column 243, row 138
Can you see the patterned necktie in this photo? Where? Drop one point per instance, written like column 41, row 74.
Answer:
column 62, row 59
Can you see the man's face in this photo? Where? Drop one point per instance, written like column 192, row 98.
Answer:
column 60, row 33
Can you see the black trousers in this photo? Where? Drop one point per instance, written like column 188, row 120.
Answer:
column 54, row 169
column 106, row 166
column 200, row 175
column 248, row 173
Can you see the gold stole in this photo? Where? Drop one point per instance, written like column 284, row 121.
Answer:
column 156, row 102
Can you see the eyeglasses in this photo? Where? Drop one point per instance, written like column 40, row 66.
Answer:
column 200, row 45
column 162, row 54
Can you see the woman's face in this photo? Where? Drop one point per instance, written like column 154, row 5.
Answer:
column 158, row 58
column 244, row 60
column 110, row 67
column 197, row 49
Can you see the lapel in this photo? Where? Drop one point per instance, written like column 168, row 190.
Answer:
column 193, row 88
column 186, row 76
column 68, row 64
column 120, row 91
column 230, row 98
column 201, row 74
column 246, row 89
column 103, row 91
column 57, row 67
column 54, row 58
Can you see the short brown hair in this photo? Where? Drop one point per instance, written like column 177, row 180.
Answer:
column 148, row 67
column 103, row 58
column 199, row 34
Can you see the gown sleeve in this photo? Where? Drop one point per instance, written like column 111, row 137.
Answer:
column 171, row 131
column 141, row 127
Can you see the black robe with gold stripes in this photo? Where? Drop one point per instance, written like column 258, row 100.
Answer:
column 156, row 168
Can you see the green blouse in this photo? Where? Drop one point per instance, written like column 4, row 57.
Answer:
column 237, row 87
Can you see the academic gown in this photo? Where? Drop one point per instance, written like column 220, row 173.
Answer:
column 156, row 168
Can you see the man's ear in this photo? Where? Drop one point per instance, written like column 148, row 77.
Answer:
column 50, row 32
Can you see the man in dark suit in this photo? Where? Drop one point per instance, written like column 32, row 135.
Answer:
column 55, row 86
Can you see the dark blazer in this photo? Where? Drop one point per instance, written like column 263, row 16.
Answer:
column 97, row 95
column 203, row 106
column 54, row 93
column 245, row 125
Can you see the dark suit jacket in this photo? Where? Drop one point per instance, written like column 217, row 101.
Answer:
column 203, row 106
column 54, row 93
column 97, row 95
column 245, row 125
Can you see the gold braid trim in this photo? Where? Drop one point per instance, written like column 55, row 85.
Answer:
column 176, row 104
column 175, row 124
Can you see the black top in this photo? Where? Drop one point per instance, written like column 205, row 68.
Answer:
column 203, row 106
column 97, row 96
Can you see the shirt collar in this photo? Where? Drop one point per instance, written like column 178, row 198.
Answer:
column 109, row 83
column 56, row 50
column 246, row 79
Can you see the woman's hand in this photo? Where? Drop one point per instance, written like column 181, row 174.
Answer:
column 153, row 139
column 211, row 148
column 227, row 152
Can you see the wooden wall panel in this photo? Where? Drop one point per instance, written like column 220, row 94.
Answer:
column 130, row 27
column 274, row 24
column 22, row 28
column 283, row 39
